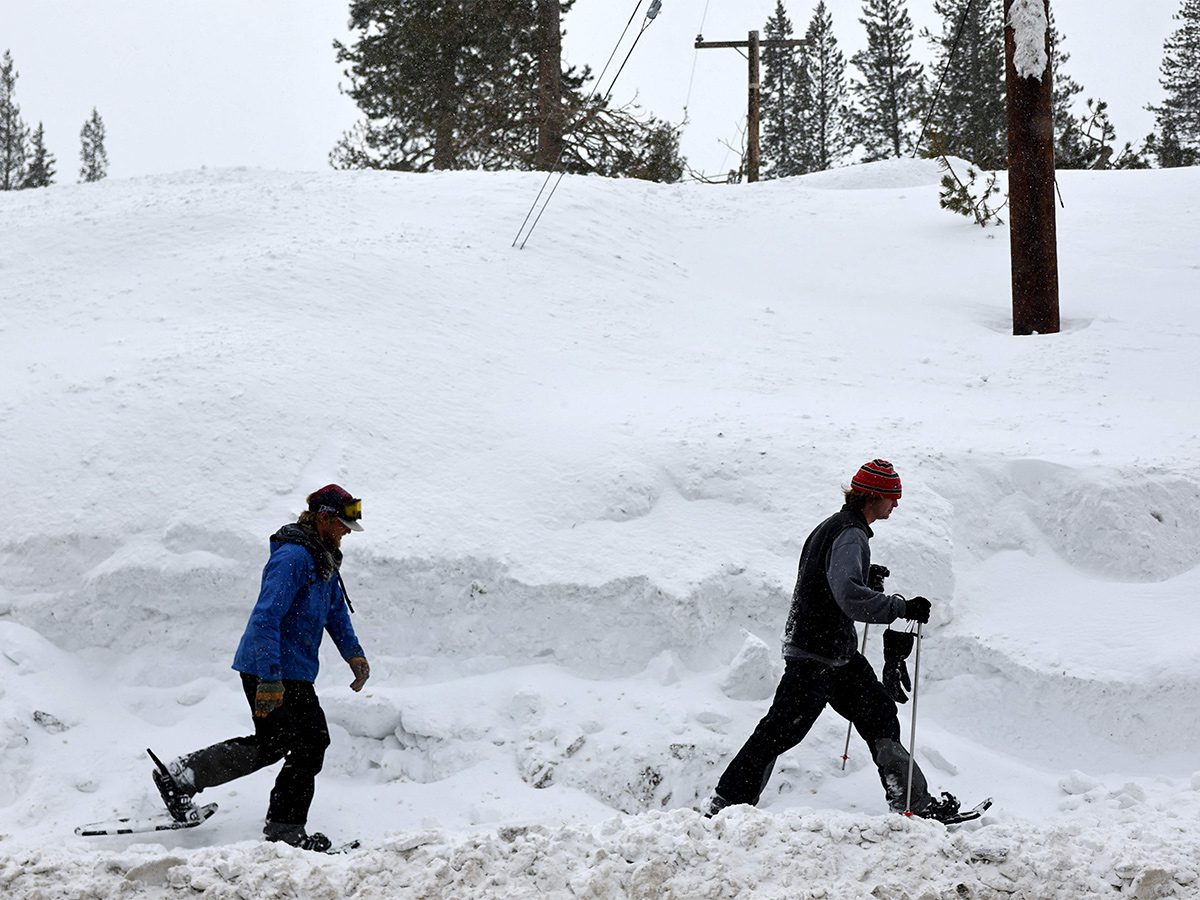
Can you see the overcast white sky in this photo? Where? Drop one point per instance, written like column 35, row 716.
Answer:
column 186, row 83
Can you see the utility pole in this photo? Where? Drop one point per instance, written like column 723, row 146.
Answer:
column 1032, row 231
column 753, row 45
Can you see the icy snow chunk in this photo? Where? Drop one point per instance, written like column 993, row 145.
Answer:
column 372, row 716
column 1129, row 795
column 1152, row 883
column 1076, row 782
column 664, row 668
column 939, row 761
column 526, row 707
column 713, row 721
column 753, row 673
column 155, row 872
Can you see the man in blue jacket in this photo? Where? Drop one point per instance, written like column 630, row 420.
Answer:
column 302, row 596
column 823, row 663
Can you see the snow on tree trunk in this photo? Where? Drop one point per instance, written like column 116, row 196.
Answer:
column 1027, row 18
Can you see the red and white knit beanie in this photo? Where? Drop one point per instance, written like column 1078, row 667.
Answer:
column 877, row 477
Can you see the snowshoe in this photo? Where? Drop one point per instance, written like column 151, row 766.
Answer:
column 296, row 836
column 163, row 822
column 946, row 810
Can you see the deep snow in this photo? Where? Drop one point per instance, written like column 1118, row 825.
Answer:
column 587, row 470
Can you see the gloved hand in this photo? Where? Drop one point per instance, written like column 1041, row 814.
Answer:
column 268, row 697
column 362, row 671
column 895, row 679
column 916, row 609
column 896, row 647
column 875, row 576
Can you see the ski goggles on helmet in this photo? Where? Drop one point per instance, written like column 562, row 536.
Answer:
column 336, row 500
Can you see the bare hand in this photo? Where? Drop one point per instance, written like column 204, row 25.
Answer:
column 362, row 671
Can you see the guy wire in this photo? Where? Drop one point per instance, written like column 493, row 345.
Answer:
column 562, row 149
column 938, row 91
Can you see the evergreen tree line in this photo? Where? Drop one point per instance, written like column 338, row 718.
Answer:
column 24, row 160
column 479, row 84
column 815, row 115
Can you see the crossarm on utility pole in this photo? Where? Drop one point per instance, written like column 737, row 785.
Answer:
column 753, row 44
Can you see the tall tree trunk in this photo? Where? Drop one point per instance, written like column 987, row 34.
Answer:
column 1032, row 229
column 550, row 111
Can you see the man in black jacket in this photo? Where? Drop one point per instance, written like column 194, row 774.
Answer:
column 823, row 664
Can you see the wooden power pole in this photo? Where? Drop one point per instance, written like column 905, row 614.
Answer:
column 1032, row 232
column 753, row 45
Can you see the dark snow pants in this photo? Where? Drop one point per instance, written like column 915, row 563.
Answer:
column 295, row 732
column 806, row 688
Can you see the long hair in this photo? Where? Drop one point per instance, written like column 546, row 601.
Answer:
column 308, row 519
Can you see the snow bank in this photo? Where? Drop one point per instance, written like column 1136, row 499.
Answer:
column 588, row 469
column 743, row 852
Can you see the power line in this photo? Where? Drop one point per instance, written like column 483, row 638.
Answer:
column 651, row 14
column 938, row 91
column 695, row 58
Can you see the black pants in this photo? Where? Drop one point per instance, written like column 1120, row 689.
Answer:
column 295, row 732
column 806, row 687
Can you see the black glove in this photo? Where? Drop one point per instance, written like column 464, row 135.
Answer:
column 916, row 609
column 896, row 647
column 895, row 679
column 875, row 576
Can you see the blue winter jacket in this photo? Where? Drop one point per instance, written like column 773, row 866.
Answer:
column 294, row 607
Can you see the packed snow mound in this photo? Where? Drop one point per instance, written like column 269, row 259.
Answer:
column 886, row 174
column 742, row 852
column 588, row 469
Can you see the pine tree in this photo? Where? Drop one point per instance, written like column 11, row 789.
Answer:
column 1066, row 89
column 826, row 113
column 891, row 92
column 1087, row 140
column 445, row 84
column 1176, row 138
column 652, row 156
column 14, row 133
column 781, row 104
column 91, row 152
column 970, row 119
column 40, row 171
column 426, row 75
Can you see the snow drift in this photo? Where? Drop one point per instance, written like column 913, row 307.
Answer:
column 587, row 470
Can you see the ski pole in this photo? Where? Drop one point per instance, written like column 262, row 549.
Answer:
column 850, row 725
column 912, row 729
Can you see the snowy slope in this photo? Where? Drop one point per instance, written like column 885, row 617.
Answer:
column 587, row 470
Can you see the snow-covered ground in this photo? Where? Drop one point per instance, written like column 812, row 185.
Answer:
column 587, row 470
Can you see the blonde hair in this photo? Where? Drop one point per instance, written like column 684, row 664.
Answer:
column 308, row 519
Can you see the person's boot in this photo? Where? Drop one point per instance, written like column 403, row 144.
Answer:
column 176, row 786
column 296, row 836
column 942, row 809
column 713, row 805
